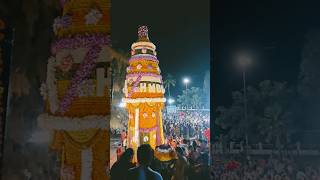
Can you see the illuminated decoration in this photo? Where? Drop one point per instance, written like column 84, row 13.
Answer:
column 144, row 94
column 76, row 91
column 6, row 40
column 165, row 153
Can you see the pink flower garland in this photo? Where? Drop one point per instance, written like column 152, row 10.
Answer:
column 80, row 41
column 135, row 85
column 145, row 57
column 83, row 72
column 158, row 138
column 147, row 130
column 144, row 74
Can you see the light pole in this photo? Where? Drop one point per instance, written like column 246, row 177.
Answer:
column 186, row 81
column 244, row 62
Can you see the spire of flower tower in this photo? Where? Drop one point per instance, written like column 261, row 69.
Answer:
column 143, row 34
column 144, row 93
column 76, row 91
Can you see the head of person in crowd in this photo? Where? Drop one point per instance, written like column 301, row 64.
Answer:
column 184, row 141
column 180, row 151
column 127, row 156
column 145, row 155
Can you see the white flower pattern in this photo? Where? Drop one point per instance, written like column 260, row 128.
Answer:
column 93, row 17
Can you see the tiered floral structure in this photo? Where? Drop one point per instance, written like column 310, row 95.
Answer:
column 144, row 94
column 76, row 93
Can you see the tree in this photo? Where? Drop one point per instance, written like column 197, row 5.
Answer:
column 168, row 82
column 191, row 98
column 309, row 82
column 269, row 113
column 119, row 65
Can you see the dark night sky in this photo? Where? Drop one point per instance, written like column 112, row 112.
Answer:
column 179, row 28
column 272, row 31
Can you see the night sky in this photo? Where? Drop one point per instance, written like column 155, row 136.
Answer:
column 180, row 29
column 273, row 32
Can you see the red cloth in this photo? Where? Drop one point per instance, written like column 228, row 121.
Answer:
column 207, row 134
column 232, row 165
column 119, row 152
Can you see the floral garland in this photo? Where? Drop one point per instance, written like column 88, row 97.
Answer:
column 46, row 121
column 93, row 17
column 86, row 88
column 44, row 91
column 67, row 172
column 142, row 100
column 84, row 70
column 51, row 86
column 80, row 41
column 135, row 85
column 86, row 164
column 61, row 22
column 144, row 74
column 147, row 130
column 144, row 57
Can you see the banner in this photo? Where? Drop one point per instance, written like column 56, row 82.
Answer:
column 6, row 41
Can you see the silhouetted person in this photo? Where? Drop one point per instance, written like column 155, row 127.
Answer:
column 181, row 166
column 119, row 168
column 143, row 171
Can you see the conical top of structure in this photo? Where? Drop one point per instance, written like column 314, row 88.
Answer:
column 143, row 45
column 144, row 78
column 143, row 33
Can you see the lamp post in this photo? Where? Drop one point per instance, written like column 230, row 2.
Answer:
column 244, row 62
column 186, row 81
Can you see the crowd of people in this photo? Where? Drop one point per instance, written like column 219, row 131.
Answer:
column 265, row 168
column 191, row 162
column 184, row 134
column 186, row 124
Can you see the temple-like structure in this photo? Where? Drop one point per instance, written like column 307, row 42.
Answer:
column 144, row 94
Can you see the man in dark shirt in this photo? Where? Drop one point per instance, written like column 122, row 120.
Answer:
column 143, row 171
column 119, row 168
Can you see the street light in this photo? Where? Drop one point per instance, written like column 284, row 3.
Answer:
column 171, row 101
column 244, row 62
column 186, row 81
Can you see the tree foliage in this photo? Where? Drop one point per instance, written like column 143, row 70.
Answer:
column 269, row 113
column 309, row 81
column 169, row 82
column 191, row 98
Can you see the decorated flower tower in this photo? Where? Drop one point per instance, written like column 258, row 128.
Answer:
column 76, row 91
column 144, row 94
